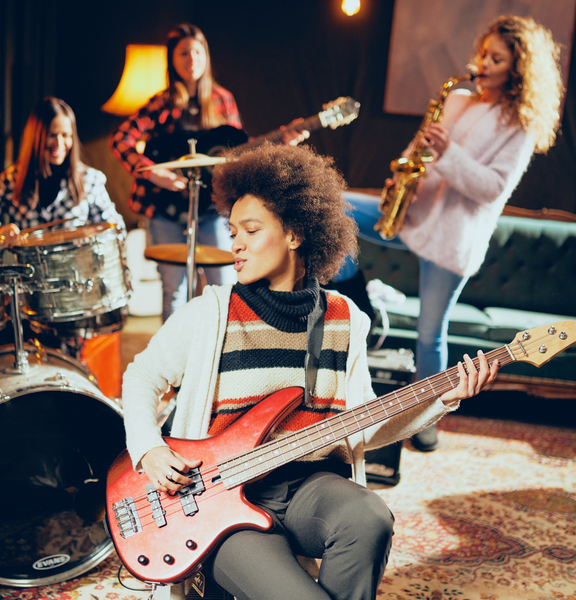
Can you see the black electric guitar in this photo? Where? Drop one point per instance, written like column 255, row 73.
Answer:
column 165, row 148
column 166, row 538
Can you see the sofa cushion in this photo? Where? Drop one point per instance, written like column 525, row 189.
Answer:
column 505, row 323
column 466, row 320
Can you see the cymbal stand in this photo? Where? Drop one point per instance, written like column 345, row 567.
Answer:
column 13, row 273
column 194, row 184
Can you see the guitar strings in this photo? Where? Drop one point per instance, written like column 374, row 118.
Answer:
column 339, row 426
column 403, row 401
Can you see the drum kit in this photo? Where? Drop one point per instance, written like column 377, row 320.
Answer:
column 58, row 432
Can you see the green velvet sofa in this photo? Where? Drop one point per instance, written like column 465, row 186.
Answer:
column 528, row 279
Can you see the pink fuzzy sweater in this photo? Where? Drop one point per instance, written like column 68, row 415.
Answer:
column 459, row 202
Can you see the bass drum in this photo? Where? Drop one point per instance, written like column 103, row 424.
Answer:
column 58, row 436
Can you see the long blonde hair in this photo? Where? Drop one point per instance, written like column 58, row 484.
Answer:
column 177, row 90
column 531, row 97
column 32, row 163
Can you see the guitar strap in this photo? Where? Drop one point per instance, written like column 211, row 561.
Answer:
column 314, row 334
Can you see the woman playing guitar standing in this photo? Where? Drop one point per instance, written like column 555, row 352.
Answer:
column 192, row 102
column 234, row 345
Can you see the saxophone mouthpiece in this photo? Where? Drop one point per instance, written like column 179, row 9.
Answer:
column 473, row 71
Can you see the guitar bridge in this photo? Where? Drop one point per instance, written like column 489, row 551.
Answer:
column 189, row 506
column 157, row 511
column 127, row 517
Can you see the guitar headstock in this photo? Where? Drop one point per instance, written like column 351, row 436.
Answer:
column 537, row 346
column 341, row 111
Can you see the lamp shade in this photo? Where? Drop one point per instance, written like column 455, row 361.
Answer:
column 144, row 75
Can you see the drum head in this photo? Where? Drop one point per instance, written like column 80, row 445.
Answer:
column 55, row 450
column 62, row 236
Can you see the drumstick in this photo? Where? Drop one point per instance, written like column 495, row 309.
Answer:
column 47, row 225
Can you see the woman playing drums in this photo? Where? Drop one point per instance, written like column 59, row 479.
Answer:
column 49, row 182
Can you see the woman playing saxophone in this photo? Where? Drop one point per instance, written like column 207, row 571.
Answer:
column 480, row 151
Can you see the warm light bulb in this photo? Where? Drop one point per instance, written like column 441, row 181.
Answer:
column 350, row 7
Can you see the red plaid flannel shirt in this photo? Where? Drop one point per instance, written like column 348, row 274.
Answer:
column 154, row 119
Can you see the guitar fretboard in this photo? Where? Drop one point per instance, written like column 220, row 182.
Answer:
column 250, row 465
column 311, row 124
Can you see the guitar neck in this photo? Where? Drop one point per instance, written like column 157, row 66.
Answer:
column 311, row 124
column 253, row 464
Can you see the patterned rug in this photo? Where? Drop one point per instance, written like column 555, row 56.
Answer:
column 491, row 515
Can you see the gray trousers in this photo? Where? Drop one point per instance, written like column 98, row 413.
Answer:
column 321, row 516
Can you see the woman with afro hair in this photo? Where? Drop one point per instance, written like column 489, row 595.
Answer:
column 235, row 345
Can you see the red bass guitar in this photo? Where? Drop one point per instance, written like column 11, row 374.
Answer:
column 165, row 539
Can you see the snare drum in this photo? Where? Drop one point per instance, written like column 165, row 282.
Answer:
column 80, row 275
column 58, row 436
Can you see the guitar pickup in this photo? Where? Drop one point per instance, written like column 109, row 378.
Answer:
column 127, row 517
column 157, row 511
column 187, row 493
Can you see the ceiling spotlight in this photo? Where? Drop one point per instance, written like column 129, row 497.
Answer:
column 350, row 7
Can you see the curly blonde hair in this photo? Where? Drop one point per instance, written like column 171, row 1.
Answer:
column 531, row 97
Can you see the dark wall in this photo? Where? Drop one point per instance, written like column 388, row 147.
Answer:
column 280, row 59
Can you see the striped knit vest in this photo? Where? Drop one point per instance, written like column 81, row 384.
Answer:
column 264, row 351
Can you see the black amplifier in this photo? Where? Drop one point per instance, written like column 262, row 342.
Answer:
column 203, row 586
column 389, row 370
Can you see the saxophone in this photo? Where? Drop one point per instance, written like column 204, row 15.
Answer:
column 397, row 198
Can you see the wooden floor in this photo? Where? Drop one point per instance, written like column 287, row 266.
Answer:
column 135, row 336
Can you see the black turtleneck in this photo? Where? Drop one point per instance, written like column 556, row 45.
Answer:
column 286, row 311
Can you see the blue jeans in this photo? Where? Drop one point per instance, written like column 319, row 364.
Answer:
column 439, row 289
column 212, row 231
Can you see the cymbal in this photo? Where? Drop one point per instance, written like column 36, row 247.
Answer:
column 177, row 254
column 189, row 160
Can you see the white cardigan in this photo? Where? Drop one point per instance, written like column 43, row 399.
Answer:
column 459, row 202
column 186, row 351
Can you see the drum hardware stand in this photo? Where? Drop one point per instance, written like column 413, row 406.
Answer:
column 194, row 184
column 13, row 288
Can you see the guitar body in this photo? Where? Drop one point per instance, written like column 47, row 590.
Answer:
column 165, row 148
column 173, row 552
column 172, row 146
